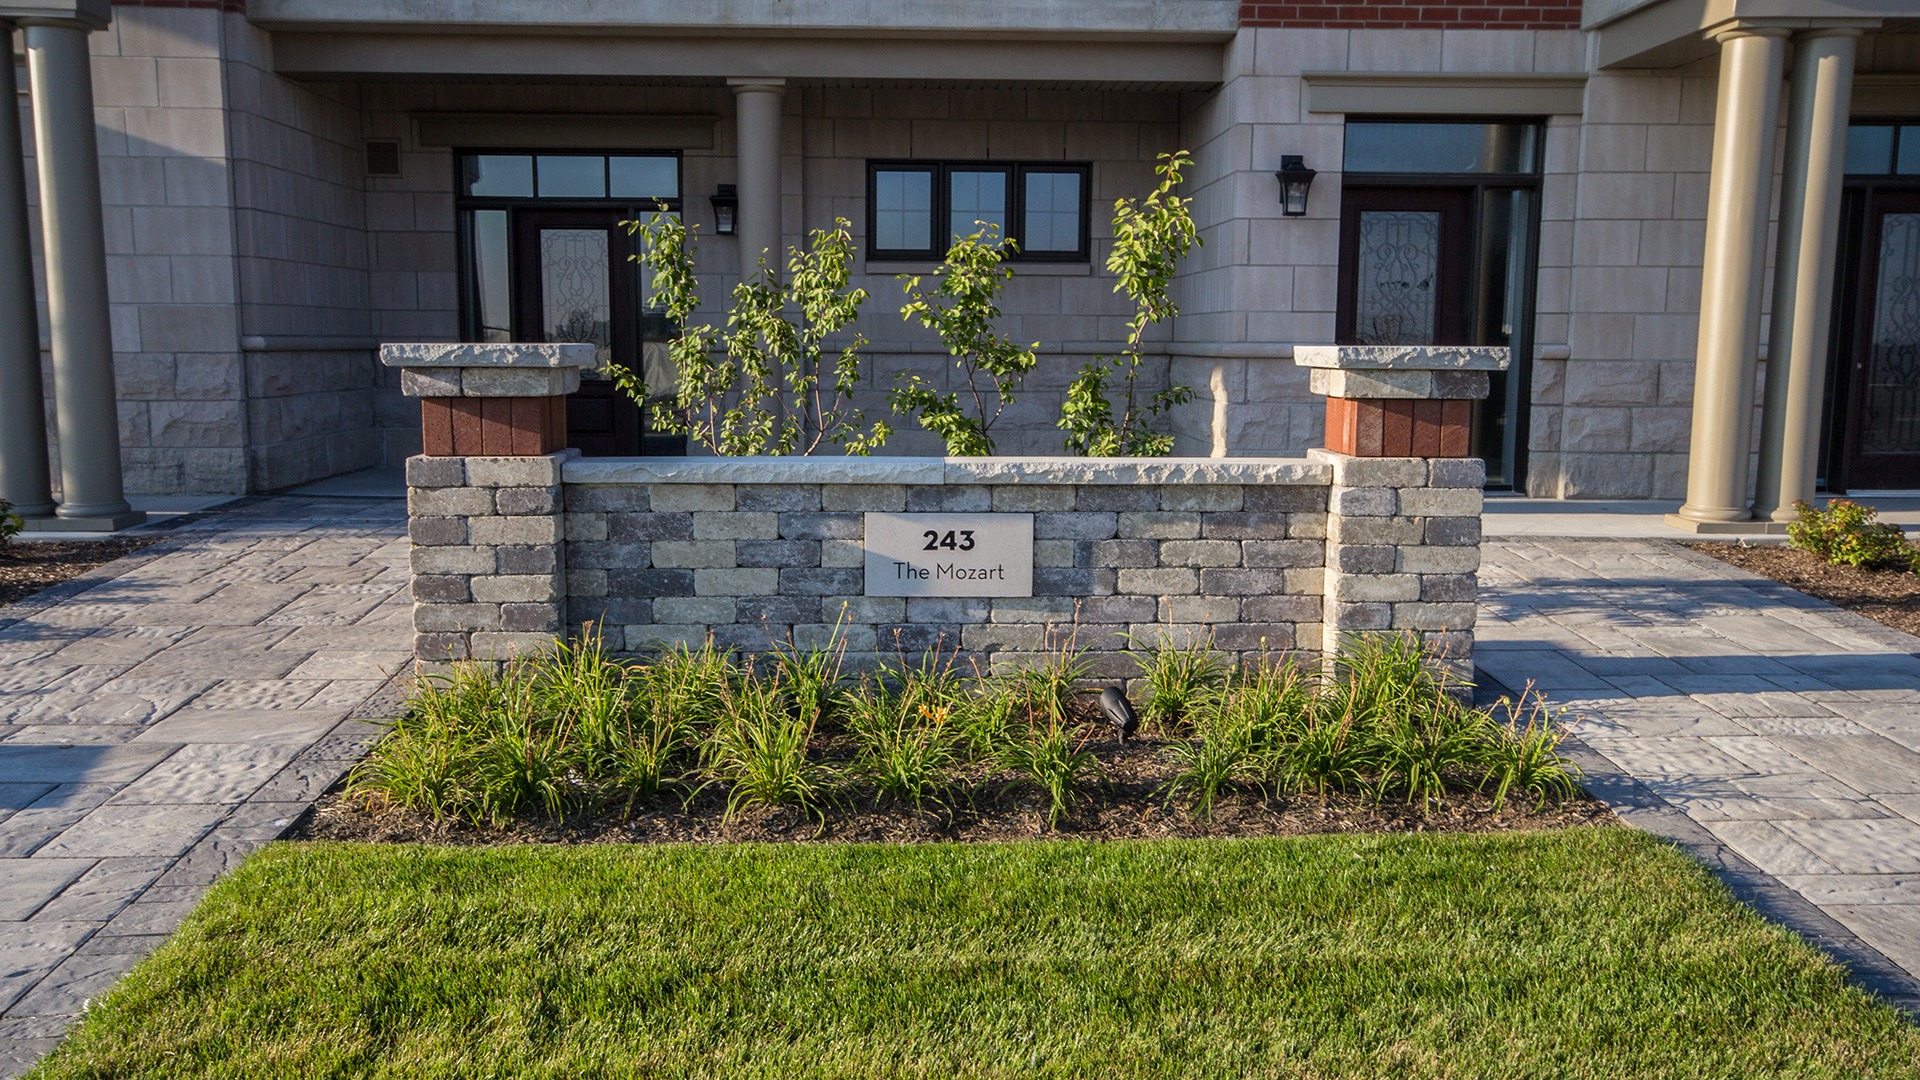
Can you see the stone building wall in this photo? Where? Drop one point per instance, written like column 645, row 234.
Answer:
column 1266, row 282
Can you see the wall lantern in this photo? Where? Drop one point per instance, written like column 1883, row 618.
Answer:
column 1295, row 179
column 726, row 210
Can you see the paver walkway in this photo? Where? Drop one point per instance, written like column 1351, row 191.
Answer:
column 169, row 713
column 1786, row 731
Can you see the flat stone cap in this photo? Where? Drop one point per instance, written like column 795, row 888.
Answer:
column 488, row 355
column 931, row 470
column 1404, row 357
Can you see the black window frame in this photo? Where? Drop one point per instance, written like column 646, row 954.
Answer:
column 942, row 212
column 653, row 322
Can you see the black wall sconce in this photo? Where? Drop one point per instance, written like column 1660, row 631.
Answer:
column 1295, row 179
column 726, row 210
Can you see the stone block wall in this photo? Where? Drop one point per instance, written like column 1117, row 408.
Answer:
column 1403, row 550
column 1228, row 553
column 488, row 578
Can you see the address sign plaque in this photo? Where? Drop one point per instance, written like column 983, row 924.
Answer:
column 949, row 554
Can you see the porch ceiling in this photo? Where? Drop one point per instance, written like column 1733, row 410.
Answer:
column 1150, row 19
column 1172, row 62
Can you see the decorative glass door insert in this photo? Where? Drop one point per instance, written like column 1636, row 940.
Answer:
column 1399, row 264
column 576, row 293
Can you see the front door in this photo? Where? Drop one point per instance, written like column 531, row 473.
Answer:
column 1880, row 440
column 575, row 281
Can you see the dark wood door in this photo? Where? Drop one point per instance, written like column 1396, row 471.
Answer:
column 1406, row 263
column 1880, row 439
column 575, row 281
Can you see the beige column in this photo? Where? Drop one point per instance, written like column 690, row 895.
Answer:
column 1738, row 191
column 757, row 131
column 1803, row 269
column 25, row 480
column 73, row 237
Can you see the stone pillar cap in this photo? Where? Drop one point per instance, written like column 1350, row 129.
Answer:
column 488, row 355
column 1403, row 357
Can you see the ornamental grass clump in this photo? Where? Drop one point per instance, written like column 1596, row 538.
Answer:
column 579, row 731
column 1178, row 678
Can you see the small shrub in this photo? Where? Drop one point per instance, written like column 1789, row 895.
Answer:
column 906, row 742
column 962, row 306
column 10, row 525
column 1329, row 751
column 1846, row 534
column 1178, row 679
column 625, row 744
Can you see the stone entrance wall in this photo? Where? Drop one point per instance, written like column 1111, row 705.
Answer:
column 1261, row 556
column 762, row 551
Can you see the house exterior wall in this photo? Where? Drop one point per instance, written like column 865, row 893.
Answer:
column 254, row 265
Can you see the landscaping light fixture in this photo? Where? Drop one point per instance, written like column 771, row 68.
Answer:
column 726, row 210
column 1295, row 178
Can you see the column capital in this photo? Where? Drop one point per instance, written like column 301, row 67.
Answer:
column 759, row 84
column 86, row 15
column 1734, row 29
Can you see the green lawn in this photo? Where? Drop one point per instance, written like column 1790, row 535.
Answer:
column 1583, row 953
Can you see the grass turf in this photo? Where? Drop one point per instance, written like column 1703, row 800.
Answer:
column 1579, row 953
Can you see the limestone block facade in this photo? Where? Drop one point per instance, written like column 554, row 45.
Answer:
column 283, row 190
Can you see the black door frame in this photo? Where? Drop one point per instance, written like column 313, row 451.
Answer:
column 1855, row 281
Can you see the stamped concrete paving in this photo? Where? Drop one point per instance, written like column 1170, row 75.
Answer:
column 1786, row 731
column 169, row 713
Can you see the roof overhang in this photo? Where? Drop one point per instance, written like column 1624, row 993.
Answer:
column 1671, row 33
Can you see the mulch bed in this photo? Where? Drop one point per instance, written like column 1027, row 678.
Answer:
column 27, row 566
column 1125, row 801
column 1891, row 597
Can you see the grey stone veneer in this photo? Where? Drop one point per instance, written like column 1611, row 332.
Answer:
column 1263, row 556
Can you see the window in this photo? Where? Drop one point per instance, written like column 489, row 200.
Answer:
column 916, row 209
column 1880, row 149
column 641, row 178
column 1421, row 148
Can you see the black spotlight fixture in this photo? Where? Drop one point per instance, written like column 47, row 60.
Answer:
column 1119, row 712
column 726, row 210
column 1295, row 179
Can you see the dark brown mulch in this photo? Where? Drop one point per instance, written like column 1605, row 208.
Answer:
column 1124, row 801
column 1891, row 597
column 27, row 566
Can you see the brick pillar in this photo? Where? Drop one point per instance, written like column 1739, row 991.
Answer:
column 1403, row 516
column 483, row 503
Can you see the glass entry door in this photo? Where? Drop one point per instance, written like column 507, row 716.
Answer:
column 544, row 257
column 1881, row 437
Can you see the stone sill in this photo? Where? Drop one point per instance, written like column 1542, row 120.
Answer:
column 928, row 470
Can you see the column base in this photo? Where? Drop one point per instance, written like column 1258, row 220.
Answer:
column 1754, row 527
column 100, row 523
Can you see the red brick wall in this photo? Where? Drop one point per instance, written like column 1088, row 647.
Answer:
column 1536, row 15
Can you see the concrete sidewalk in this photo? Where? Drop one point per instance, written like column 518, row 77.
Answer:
column 169, row 713
column 1775, row 736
